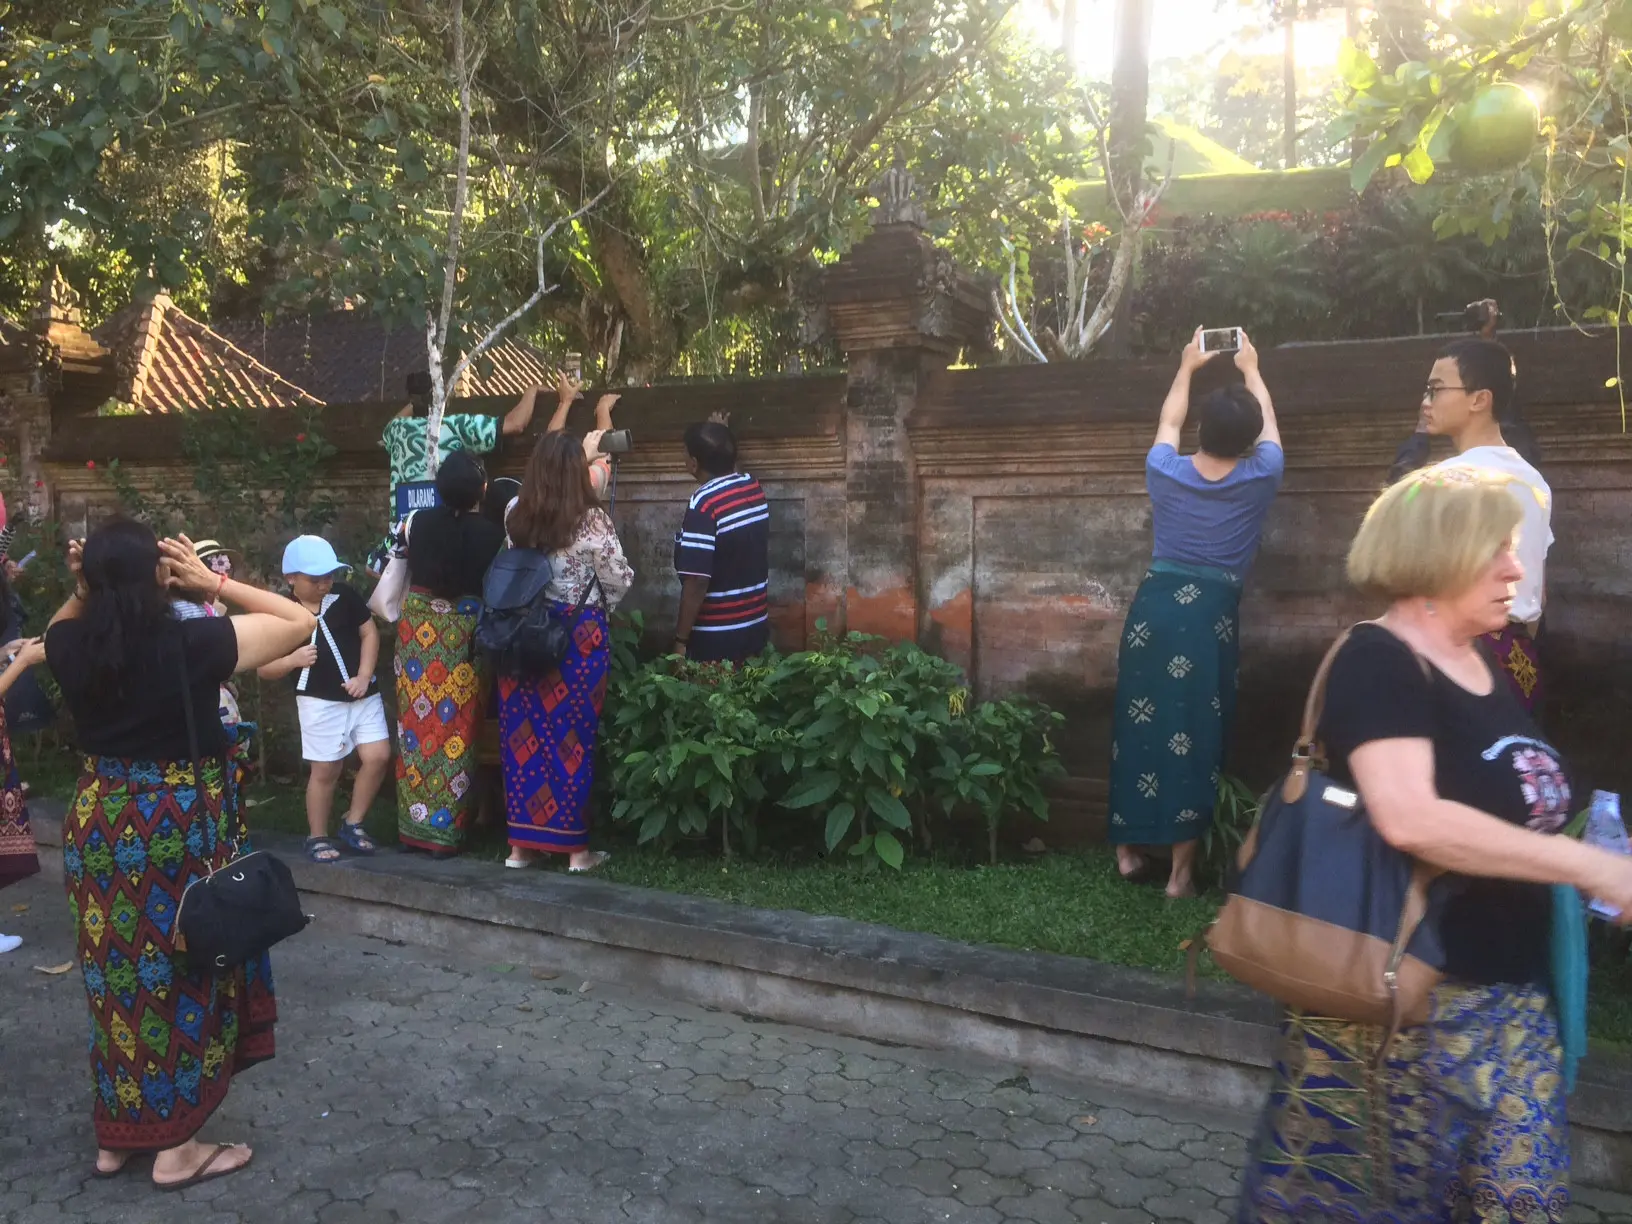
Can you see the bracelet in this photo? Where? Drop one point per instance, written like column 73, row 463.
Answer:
column 219, row 587
column 682, row 641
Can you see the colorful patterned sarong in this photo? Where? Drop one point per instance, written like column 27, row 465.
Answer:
column 165, row 1039
column 18, row 860
column 1464, row 1125
column 1513, row 651
column 547, row 736
column 1175, row 702
column 439, row 705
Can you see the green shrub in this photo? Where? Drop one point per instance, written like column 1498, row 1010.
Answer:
column 859, row 745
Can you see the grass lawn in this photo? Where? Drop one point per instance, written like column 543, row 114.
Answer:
column 1069, row 903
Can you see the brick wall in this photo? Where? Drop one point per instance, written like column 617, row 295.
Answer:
column 999, row 515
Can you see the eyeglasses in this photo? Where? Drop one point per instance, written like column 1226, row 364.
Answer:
column 1433, row 389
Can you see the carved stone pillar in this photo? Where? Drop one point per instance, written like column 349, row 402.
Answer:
column 901, row 310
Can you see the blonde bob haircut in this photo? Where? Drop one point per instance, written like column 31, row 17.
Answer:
column 1431, row 534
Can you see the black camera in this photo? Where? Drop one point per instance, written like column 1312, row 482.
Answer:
column 616, row 442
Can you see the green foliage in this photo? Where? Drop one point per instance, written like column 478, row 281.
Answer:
column 1234, row 814
column 255, row 484
column 1573, row 59
column 736, row 144
column 863, row 747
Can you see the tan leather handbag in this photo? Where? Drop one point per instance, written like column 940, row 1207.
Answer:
column 1326, row 916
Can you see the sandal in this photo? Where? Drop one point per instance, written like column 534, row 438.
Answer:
column 105, row 1174
column 600, row 860
column 355, row 836
column 322, row 850
column 202, row 1174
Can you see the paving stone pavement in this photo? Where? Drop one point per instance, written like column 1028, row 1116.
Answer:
column 407, row 1089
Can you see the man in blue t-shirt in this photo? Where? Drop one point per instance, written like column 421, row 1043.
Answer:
column 722, row 554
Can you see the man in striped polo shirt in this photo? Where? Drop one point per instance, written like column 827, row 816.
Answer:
column 722, row 554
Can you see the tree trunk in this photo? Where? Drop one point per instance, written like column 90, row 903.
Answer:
column 1068, row 31
column 651, row 340
column 1130, row 96
column 1289, row 87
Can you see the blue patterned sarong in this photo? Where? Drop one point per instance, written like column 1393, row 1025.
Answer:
column 1465, row 1124
column 547, row 735
column 166, row 1037
column 1175, row 702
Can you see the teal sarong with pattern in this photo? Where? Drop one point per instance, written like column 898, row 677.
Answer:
column 1175, row 703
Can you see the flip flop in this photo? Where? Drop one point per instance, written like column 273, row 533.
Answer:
column 315, row 846
column 108, row 1174
column 202, row 1174
column 355, row 836
column 600, row 861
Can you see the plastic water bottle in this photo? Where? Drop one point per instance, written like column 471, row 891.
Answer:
column 1606, row 830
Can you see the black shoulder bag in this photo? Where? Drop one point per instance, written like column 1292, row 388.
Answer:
column 240, row 909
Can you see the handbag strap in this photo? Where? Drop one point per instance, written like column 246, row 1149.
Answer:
column 192, row 738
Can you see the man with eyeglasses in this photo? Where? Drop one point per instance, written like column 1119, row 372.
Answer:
column 1470, row 399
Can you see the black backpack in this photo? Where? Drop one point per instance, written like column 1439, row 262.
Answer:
column 515, row 619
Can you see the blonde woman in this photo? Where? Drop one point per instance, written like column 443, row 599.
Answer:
column 1466, row 1120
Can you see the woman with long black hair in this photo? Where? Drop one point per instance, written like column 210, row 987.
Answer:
column 166, row 1037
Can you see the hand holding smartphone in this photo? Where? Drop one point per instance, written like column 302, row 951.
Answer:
column 1220, row 340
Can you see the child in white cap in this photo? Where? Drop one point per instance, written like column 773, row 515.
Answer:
column 336, row 695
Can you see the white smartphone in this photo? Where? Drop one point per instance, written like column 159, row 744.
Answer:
column 1221, row 340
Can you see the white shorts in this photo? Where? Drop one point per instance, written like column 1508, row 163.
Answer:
column 329, row 730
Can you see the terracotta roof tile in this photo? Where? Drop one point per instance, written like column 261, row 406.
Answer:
column 351, row 357
column 170, row 362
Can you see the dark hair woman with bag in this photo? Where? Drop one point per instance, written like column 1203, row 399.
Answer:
column 548, row 726
column 439, row 675
column 167, row 1037
column 1464, row 1119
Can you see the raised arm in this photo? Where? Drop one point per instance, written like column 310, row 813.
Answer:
column 567, row 390
column 1246, row 360
column 1396, row 779
column 268, row 627
column 603, row 411
column 1177, row 404
column 74, row 605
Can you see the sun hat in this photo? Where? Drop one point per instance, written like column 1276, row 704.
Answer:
column 313, row 556
column 205, row 549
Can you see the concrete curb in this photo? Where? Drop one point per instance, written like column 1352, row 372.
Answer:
column 1127, row 1027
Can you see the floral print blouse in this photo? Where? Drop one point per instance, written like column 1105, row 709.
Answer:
column 595, row 552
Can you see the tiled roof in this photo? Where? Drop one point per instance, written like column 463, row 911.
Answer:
column 350, row 357
column 169, row 362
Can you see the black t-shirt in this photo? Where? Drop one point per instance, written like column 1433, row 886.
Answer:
column 344, row 619
column 449, row 551
column 1489, row 755
column 145, row 719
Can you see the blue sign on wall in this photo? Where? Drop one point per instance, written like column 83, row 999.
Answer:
column 416, row 495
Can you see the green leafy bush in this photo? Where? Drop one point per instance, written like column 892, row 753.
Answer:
column 861, row 746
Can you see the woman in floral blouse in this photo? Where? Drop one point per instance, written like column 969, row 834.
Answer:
column 548, row 728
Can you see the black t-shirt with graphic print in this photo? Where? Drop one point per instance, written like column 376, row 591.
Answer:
column 1489, row 755
column 345, row 619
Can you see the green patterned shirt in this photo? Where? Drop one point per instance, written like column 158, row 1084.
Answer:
column 404, row 442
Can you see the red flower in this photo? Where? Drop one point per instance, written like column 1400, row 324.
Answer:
column 90, row 463
column 300, row 437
